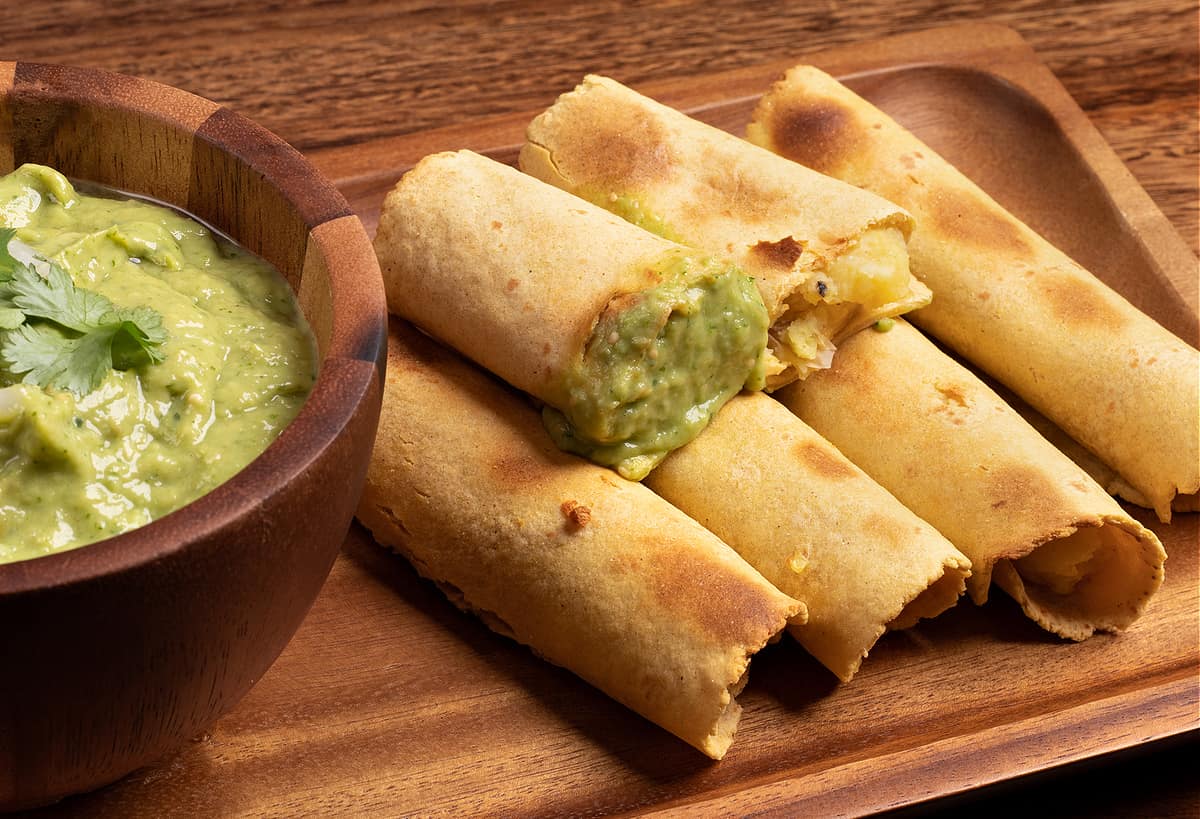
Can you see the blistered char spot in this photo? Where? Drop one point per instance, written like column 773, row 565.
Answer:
column 782, row 254
column 730, row 607
column 1077, row 300
column 959, row 217
column 822, row 461
column 622, row 150
column 816, row 133
column 861, row 377
column 519, row 469
column 1023, row 488
column 723, row 188
column 953, row 402
column 884, row 527
column 623, row 564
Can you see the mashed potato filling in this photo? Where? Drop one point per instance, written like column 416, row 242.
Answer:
column 857, row 279
column 850, row 282
column 660, row 363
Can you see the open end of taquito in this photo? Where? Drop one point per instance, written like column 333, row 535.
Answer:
column 1006, row 299
column 593, row 572
column 816, row 526
column 952, row 451
column 1098, row 577
column 632, row 341
column 828, row 258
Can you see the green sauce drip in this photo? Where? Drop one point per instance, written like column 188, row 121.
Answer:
column 630, row 209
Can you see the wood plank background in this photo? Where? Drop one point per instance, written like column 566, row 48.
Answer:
column 332, row 73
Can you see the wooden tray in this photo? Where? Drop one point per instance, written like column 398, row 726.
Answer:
column 389, row 701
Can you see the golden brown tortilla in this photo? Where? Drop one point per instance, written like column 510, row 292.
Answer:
column 953, row 452
column 816, row 526
column 593, row 572
column 518, row 276
column 1005, row 298
column 472, row 251
column 829, row 259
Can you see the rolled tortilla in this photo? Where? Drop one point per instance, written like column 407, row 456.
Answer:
column 953, row 452
column 815, row 526
column 1100, row 472
column 633, row 340
column 1005, row 298
column 594, row 573
column 829, row 259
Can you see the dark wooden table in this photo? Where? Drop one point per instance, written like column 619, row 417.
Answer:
column 325, row 75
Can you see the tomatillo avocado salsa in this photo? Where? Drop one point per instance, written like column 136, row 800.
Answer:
column 143, row 361
column 660, row 363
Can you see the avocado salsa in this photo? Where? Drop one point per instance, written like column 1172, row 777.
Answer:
column 660, row 363
column 144, row 360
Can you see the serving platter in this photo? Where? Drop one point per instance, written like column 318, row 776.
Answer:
column 389, row 701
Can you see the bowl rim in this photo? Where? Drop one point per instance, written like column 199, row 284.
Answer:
column 357, row 339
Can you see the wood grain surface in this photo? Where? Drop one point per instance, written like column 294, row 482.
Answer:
column 390, row 702
column 332, row 73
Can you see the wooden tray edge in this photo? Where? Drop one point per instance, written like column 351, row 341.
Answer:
column 1097, row 728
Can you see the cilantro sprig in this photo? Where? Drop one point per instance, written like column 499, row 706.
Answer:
column 60, row 336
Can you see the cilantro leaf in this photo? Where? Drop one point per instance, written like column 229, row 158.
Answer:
column 50, row 359
column 60, row 336
column 10, row 317
column 137, row 337
column 56, row 298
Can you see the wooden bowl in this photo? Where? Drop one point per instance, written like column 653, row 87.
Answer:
column 117, row 653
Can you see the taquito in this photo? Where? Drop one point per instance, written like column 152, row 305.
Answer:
column 594, row 573
column 631, row 340
column 814, row 525
column 956, row 454
column 1005, row 298
column 829, row 259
